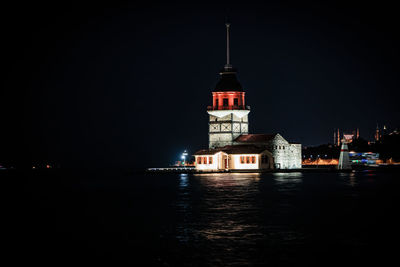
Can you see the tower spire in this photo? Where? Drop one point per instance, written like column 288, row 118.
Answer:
column 228, row 63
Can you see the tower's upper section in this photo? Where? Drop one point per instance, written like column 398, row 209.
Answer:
column 228, row 93
column 228, row 81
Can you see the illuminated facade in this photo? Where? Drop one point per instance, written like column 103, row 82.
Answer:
column 242, row 157
column 230, row 146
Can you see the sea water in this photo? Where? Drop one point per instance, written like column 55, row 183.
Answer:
column 247, row 219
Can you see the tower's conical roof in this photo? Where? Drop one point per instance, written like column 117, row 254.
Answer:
column 228, row 81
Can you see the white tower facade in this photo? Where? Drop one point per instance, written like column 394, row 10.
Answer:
column 226, row 125
column 344, row 159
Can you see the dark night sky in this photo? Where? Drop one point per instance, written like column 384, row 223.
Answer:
column 127, row 85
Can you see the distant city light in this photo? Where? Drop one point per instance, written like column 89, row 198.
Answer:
column 183, row 156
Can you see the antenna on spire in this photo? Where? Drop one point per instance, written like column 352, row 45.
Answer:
column 228, row 63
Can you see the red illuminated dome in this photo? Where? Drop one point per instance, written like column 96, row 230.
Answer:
column 228, row 93
column 228, row 101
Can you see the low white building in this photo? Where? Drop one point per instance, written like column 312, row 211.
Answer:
column 238, row 157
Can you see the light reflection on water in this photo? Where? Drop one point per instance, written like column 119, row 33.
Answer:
column 223, row 201
column 350, row 178
column 227, row 179
column 231, row 217
column 183, row 206
column 288, row 182
column 183, row 180
column 225, row 219
column 228, row 208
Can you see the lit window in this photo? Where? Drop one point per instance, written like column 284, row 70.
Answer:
column 205, row 160
column 242, row 159
column 247, row 159
column 198, row 160
column 209, row 160
column 253, row 159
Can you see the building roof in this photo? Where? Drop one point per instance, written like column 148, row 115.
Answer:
column 206, row 152
column 255, row 138
column 243, row 149
column 235, row 149
column 228, row 82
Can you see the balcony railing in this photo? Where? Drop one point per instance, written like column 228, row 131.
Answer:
column 241, row 107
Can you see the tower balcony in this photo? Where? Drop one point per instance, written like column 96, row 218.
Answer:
column 234, row 107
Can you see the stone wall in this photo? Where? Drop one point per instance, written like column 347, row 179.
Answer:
column 286, row 155
column 295, row 156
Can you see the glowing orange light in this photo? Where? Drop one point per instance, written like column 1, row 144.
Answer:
column 320, row 162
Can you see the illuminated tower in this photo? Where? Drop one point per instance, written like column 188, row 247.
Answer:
column 228, row 114
column 377, row 135
column 344, row 160
column 338, row 137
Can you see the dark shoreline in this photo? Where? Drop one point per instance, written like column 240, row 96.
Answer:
column 316, row 169
column 312, row 169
